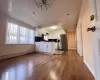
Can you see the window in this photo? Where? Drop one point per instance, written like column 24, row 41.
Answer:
column 17, row 34
column 23, row 35
column 31, row 36
column 12, row 31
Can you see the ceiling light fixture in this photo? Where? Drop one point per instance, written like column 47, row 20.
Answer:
column 33, row 12
column 68, row 14
column 43, row 4
column 54, row 27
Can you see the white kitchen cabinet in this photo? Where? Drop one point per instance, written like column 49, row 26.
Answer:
column 46, row 47
column 37, row 47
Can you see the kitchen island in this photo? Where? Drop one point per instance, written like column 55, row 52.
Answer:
column 46, row 47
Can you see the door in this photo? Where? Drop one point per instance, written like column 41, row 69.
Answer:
column 95, row 10
column 96, row 49
column 79, row 40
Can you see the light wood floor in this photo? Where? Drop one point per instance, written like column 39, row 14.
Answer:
column 68, row 66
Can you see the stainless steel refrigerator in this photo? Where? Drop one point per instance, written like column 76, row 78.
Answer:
column 63, row 44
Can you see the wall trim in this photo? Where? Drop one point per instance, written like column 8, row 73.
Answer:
column 90, row 69
column 80, row 54
column 15, row 55
column 72, row 49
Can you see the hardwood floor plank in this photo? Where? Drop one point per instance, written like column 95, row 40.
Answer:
column 47, row 68
column 53, row 73
column 68, row 66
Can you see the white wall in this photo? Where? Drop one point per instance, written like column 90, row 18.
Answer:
column 84, row 19
column 7, row 49
column 43, row 31
column 56, row 34
column 14, row 49
column 53, row 34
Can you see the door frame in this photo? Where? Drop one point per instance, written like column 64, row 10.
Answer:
column 80, row 28
column 96, row 53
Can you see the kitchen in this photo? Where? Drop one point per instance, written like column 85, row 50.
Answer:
column 51, row 39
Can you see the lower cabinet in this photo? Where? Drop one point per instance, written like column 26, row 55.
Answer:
column 47, row 47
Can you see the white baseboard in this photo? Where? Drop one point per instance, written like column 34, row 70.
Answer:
column 73, row 48
column 14, row 55
column 80, row 54
column 91, row 70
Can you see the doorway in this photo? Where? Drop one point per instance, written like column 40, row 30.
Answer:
column 79, row 40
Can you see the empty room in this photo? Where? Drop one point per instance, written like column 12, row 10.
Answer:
column 49, row 40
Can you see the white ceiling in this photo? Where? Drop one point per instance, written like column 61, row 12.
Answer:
column 58, row 30
column 49, row 29
column 57, row 13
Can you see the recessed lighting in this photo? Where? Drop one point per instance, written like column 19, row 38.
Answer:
column 68, row 14
column 33, row 12
column 45, row 21
column 54, row 27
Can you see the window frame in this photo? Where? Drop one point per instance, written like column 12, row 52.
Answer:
column 18, row 34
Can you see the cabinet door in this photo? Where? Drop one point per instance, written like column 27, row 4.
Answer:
column 41, row 48
column 37, row 47
column 46, row 48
